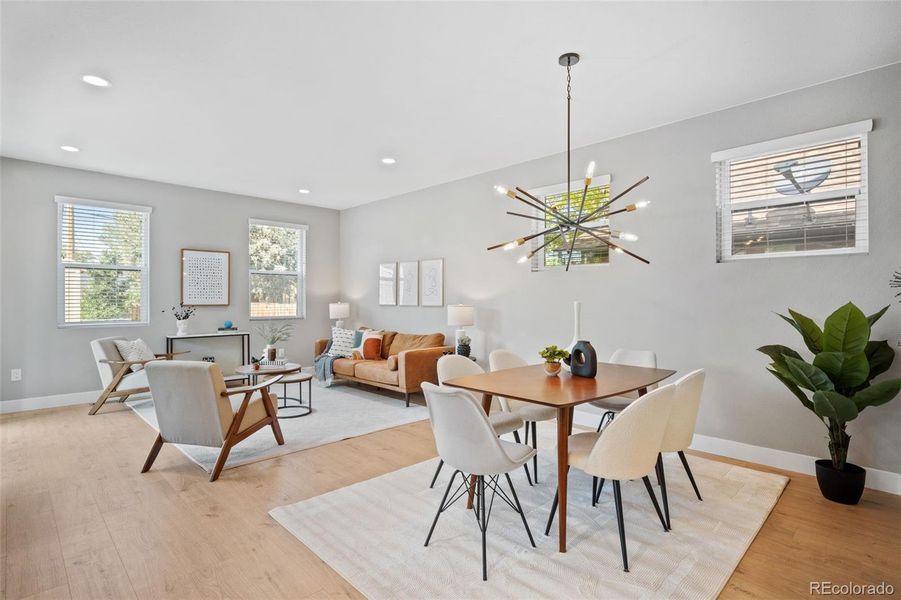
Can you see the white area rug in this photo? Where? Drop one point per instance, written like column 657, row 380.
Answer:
column 372, row 533
column 339, row 412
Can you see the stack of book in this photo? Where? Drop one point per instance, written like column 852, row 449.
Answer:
column 278, row 362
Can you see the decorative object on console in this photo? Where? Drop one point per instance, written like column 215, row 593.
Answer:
column 205, row 277
column 388, row 284
column 460, row 316
column 591, row 230
column 896, row 283
column 552, row 356
column 181, row 313
column 432, row 286
column 463, row 348
column 272, row 334
column 339, row 311
column 839, row 377
column 583, row 360
column 228, row 326
column 408, row 283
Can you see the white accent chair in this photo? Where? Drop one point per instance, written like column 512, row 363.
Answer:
column 116, row 375
column 681, row 429
column 633, row 358
column 469, row 444
column 452, row 366
column 193, row 406
column 626, row 449
column 531, row 413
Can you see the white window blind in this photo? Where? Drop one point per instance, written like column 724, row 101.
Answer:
column 802, row 195
column 103, row 262
column 277, row 270
column 551, row 250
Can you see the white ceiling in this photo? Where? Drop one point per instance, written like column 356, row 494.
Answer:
column 264, row 98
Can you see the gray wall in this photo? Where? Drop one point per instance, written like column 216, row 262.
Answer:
column 56, row 361
column 691, row 310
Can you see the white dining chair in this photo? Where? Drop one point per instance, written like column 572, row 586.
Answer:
column 626, row 449
column 530, row 412
column 452, row 366
column 680, row 430
column 470, row 445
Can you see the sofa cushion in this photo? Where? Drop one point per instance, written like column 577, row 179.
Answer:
column 409, row 341
column 387, row 340
column 376, row 370
column 345, row 366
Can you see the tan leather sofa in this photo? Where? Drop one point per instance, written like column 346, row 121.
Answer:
column 407, row 361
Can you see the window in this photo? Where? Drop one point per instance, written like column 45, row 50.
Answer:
column 797, row 196
column 552, row 249
column 277, row 270
column 103, row 267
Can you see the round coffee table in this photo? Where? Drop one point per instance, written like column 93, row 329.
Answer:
column 292, row 373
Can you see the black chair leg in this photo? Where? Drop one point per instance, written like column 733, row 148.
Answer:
column 441, row 507
column 483, row 526
column 661, row 480
column 690, row 476
column 535, row 446
column 435, row 477
column 550, row 517
column 519, row 508
column 650, row 488
column 524, row 466
column 594, row 491
column 618, row 500
column 600, row 489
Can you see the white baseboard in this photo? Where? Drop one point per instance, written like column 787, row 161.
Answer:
column 877, row 479
column 23, row 404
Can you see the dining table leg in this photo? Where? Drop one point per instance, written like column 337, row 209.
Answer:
column 564, row 428
column 486, row 406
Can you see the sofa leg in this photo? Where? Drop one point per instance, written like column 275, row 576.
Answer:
column 407, row 399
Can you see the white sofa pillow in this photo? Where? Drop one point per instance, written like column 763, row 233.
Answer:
column 342, row 342
column 134, row 350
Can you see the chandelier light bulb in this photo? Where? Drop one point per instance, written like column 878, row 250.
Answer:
column 523, row 258
column 642, row 203
column 514, row 244
column 501, row 190
column 589, row 172
column 629, row 237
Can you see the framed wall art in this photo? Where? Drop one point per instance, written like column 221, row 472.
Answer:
column 388, row 284
column 432, row 282
column 408, row 283
column 205, row 277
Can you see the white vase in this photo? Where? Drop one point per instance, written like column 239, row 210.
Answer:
column 577, row 328
column 182, row 326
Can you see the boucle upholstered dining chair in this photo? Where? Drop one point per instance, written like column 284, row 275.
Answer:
column 452, row 366
column 469, row 444
column 116, row 374
column 530, row 412
column 193, row 406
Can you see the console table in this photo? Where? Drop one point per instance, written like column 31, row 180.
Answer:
column 242, row 337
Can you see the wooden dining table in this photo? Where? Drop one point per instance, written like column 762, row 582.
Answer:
column 565, row 392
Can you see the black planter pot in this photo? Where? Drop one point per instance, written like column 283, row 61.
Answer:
column 845, row 486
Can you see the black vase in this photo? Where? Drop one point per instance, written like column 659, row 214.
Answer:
column 845, row 486
column 463, row 350
column 583, row 360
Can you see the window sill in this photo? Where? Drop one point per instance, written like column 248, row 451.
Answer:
column 101, row 324
column 800, row 254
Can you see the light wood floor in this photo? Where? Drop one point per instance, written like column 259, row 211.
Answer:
column 80, row 521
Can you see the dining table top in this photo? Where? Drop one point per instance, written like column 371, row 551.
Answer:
column 532, row 384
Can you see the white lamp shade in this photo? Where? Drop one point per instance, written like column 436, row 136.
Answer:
column 338, row 310
column 460, row 315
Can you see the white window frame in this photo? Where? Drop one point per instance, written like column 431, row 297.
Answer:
column 723, row 158
column 61, row 266
column 576, row 187
column 301, row 273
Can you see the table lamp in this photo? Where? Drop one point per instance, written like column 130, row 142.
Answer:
column 460, row 316
column 338, row 311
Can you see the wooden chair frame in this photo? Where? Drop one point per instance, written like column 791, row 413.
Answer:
column 113, row 391
column 234, row 434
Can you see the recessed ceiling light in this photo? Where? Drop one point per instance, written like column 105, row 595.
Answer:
column 96, row 81
column 303, row 191
column 69, row 148
column 388, row 161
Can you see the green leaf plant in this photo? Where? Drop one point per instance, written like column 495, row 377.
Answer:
column 837, row 384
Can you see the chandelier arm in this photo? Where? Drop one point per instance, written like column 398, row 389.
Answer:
column 609, row 243
column 615, row 198
column 531, row 197
column 524, row 239
column 534, row 218
column 569, row 256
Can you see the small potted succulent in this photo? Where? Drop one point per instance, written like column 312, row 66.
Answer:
column 552, row 356
column 463, row 348
column 273, row 333
column 181, row 313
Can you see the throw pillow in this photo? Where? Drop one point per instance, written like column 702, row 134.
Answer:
column 342, row 342
column 134, row 350
column 371, row 346
column 392, row 363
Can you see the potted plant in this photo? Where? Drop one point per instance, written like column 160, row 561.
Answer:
column 552, row 356
column 272, row 334
column 837, row 385
column 181, row 313
column 463, row 348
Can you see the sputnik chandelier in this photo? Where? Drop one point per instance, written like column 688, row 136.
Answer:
column 592, row 230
